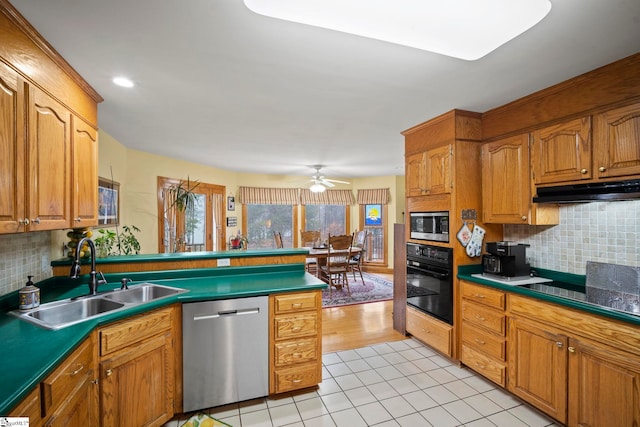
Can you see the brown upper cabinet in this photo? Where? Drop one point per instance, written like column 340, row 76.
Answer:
column 562, row 152
column 429, row 172
column 507, row 187
column 49, row 168
column 617, row 142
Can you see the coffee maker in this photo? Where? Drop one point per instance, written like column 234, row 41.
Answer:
column 506, row 259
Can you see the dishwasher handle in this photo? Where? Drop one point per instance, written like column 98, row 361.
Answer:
column 226, row 313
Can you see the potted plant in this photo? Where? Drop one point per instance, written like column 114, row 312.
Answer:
column 239, row 241
column 110, row 242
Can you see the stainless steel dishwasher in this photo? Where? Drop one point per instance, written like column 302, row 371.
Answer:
column 225, row 351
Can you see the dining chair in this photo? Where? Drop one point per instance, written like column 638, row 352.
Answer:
column 355, row 261
column 309, row 239
column 335, row 269
column 277, row 237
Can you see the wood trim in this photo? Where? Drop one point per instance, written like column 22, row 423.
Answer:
column 615, row 83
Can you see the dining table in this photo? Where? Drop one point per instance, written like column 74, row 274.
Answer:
column 321, row 254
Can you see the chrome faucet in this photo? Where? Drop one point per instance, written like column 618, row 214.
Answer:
column 75, row 267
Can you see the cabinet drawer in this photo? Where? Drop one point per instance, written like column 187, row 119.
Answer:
column 484, row 341
column 483, row 295
column 67, row 377
column 430, row 331
column 296, row 326
column 290, row 303
column 297, row 378
column 485, row 366
column 484, row 317
column 298, row 351
column 123, row 334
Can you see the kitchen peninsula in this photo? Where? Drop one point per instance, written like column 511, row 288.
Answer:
column 153, row 331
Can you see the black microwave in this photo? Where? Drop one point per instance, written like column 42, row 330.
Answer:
column 431, row 226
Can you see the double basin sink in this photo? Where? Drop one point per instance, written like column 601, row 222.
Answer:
column 59, row 314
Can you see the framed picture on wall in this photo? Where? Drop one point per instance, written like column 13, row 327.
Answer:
column 231, row 203
column 372, row 215
column 108, row 202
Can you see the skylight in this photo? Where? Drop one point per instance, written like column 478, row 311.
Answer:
column 465, row 29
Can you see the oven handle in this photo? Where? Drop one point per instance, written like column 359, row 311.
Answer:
column 430, row 272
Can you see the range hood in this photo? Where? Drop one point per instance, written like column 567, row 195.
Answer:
column 591, row 192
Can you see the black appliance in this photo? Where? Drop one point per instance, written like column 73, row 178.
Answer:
column 430, row 280
column 432, row 226
column 591, row 192
column 506, row 259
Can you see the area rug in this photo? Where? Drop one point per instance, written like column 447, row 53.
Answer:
column 374, row 288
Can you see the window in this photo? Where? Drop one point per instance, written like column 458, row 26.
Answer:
column 263, row 220
column 196, row 228
column 329, row 219
column 373, row 218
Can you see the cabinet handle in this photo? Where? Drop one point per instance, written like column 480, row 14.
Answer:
column 559, row 344
column 426, row 331
column 479, row 341
column 298, row 329
column 296, row 381
column 602, row 169
column 24, row 221
column 36, row 220
column 572, row 349
column 78, row 219
column 479, row 296
column 109, row 372
column 296, row 305
column 524, row 217
column 480, row 318
column 80, row 367
column 583, row 171
column 480, row 365
column 95, row 381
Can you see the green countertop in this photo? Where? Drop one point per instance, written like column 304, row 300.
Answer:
column 565, row 283
column 30, row 352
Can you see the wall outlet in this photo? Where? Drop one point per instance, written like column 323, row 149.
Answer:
column 224, row 262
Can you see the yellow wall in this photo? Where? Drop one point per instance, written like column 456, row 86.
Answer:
column 137, row 173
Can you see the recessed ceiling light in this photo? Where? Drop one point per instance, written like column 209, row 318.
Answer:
column 123, row 81
column 465, row 29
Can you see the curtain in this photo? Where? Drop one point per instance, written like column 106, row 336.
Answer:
column 373, row 196
column 328, row 197
column 268, row 196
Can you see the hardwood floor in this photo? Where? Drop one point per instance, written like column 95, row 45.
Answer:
column 359, row 325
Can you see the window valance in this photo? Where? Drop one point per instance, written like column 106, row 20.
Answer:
column 328, row 197
column 373, row 196
column 268, row 196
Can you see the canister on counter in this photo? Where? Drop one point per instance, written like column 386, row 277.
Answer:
column 29, row 296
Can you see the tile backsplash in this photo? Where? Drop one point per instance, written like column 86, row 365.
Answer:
column 601, row 231
column 22, row 255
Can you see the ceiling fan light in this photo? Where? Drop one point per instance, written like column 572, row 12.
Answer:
column 465, row 29
column 317, row 188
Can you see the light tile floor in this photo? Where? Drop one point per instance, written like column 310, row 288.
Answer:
column 401, row 383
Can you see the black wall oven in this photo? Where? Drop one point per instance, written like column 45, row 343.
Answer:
column 430, row 280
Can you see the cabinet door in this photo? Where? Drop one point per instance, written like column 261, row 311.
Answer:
column 85, row 174
column 12, row 145
column 80, row 408
column 506, row 195
column 604, row 386
column 618, row 136
column 136, row 384
column 414, row 171
column 49, row 163
column 438, row 170
column 537, row 360
column 562, row 152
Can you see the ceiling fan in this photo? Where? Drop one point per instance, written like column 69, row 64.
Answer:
column 320, row 183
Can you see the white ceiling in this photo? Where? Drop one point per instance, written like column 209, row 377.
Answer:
column 219, row 85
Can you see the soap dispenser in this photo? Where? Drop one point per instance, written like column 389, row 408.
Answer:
column 29, row 296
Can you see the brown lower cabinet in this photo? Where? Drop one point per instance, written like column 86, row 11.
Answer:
column 429, row 330
column 581, row 369
column 67, row 397
column 295, row 341
column 137, row 370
